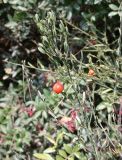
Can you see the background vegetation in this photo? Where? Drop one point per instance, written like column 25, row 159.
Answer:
column 77, row 42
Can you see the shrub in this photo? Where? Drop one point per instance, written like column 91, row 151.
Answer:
column 84, row 120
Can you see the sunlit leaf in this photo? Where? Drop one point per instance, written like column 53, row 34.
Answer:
column 49, row 150
column 62, row 153
column 59, row 158
column 49, row 138
column 68, row 148
column 43, row 156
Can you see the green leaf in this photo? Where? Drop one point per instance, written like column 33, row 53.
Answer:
column 71, row 158
column 78, row 155
column 43, row 156
column 44, row 114
column 1, row 84
column 59, row 137
column 41, row 50
column 59, row 158
column 68, row 148
column 109, row 108
column 66, row 47
column 19, row 16
column 49, row 150
column 113, row 7
column 97, row 1
column 103, row 105
column 49, row 138
column 69, row 89
column 106, row 91
column 45, row 38
column 111, row 14
column 62, row 153
column 3, row 129
column 76, row 148
column 19, row 149
column 11, row 24
column 5, row 1
column 46, row 93
column 21, row 8
column 37, row 114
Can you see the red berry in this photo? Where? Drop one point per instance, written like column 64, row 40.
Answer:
column 91, row 72
column 1, row 138
column 39, row 127
column 71, row 126
column 93, row 41
column 69, row 123
column 73, row 114
column 58, row 87
column 30, row 111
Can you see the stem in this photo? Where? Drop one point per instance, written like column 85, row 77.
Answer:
column 83, row 32
column 84, row 117
column 120, row 38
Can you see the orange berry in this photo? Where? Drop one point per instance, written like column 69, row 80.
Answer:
column 91, row 72
column 58, row 87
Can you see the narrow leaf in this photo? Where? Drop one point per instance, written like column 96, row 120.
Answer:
column 49, row 138
column 43, row 156
column 49, row 150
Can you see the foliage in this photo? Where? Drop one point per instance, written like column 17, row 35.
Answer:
column 61, row 40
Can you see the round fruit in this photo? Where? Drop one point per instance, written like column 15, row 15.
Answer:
column 91, row 72
column 58, row 87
